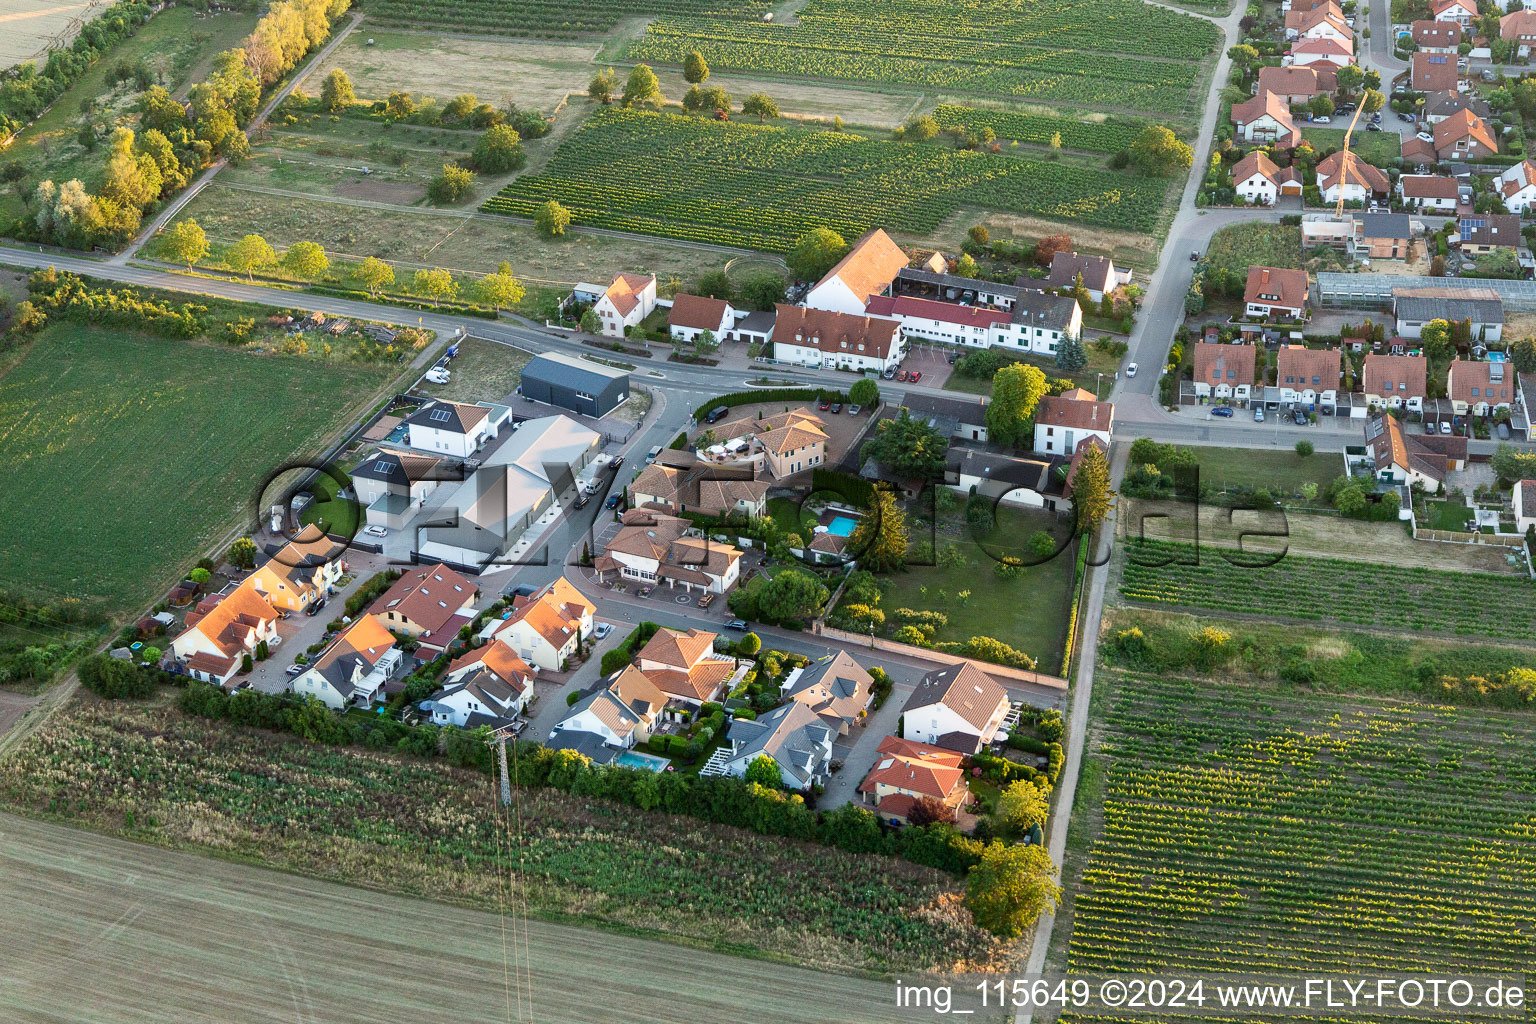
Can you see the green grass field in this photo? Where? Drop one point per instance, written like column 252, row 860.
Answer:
column 126, row 455
column 1237, row 247
column 1379, row 148
column 1282, row 472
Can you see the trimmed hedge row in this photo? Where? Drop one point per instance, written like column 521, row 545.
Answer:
column 735, row 398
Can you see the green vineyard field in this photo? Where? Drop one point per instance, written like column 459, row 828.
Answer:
column 762, row 187
column 1109, row 136
column 1263, row 831
column 1332, row 590
column 1107, row 53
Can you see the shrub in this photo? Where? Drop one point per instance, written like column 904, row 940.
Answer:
column 114, row 679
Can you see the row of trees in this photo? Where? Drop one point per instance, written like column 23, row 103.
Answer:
column 643, row 89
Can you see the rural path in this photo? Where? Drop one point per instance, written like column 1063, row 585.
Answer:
column 117, row 932
column 177, row 204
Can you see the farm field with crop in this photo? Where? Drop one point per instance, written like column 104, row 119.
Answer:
column 125, row 454
column 1095, row 134
column 762, row 187
column 1255, row 829
column 424, row 828
column 32, row 27
column 1349, row 593
column 1115, row 54
column 557, row 19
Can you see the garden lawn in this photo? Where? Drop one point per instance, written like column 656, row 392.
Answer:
column 1378, row 148
column 1269, row 830
column 1281, row 472
column 789, row 517
column 1088, row 377
column 126, row 456
column 1237, row 247
column 1447, row 515
column 426, row 829
column 1029, row 613
column 336, row 516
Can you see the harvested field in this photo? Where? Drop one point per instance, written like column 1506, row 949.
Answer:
column 152, row 934
column 1316, row 536
column 33, row 27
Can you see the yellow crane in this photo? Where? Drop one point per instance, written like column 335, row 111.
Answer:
column 1344, row 163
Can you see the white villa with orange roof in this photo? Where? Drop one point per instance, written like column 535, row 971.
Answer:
column 214, row 644
column 684, row 665
column 547, row 628
column 654, row 547
column 868, row 270
column 354, row 668
column 622, row 304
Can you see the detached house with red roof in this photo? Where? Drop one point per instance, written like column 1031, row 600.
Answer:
column 868, row 270
column 1437, row 36
column 1260, row 181
column 454, row 428
column 1322, row 51
column 1464, row 136
column 352, row 671
column 620, row 715
column 1063, row 422
column 1429, row 192
column 684, row 665
column 1265, row 118
column 1345, row 175
column 1297, row 85
column 429, row 603
column 652, row 547
column 490, row 680
column 1307, row 376
column 1517, row 186
column 1462, row 12
column 1273, row 291
column 547, row 628
column 692, row 315
column 1396, row 382
column 1478, row 387
column 625, row 302
column 1519, row 28
column 906, row 771
column 1433, row 72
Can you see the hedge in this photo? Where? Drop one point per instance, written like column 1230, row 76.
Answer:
column 116, row 679
column 448, row 308
column 853, row 489
column 615, row 660
column 735, row 398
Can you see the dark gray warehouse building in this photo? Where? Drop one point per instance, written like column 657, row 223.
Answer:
column 573, row 383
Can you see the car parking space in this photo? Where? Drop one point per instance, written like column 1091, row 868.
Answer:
column 930, row 360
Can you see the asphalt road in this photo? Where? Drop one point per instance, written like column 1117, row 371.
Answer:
column 113, row 932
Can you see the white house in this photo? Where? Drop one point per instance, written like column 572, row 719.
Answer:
column 1224, row 371
column 1320, row 51
column 216, row 640
column 1272, row 291
column 354, row 668
column 454, row 428
column 655, row 547
column 1433, row 192
column 868, row 270
column 958, row 707
column 623, row 304
column 391, row 484
column 793, row 736
column 1479, row 387
column 1265, row 118
column 1307, row 376
column 692, row 315
column 479, row 698
column 1517, row 186
column 1463, row 12
column 1062, row 422
column 1524, row 499
column 621, row 714
column 832, row 340
column 548, row 627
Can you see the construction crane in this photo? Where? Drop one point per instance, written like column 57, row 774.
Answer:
column 1344, row 163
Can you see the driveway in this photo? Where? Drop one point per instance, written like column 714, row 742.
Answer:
column 858, row 756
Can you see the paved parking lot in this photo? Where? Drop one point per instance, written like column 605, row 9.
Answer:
column 931, row 360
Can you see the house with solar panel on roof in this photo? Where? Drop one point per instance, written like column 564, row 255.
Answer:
column 455, row 428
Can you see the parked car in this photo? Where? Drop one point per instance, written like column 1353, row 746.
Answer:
column 437, row 376
column 837, row 407
column 1222, row 410
column 1130, row 371
column 375, row 531
column 1405, row 117
column 1194, row 257
column 582, row 499
column 888, row 374
column 826, row 403
column 855, row 409
column 314, row 607
column 901, row 375
column 717, row 414
column 736, row 626
column 1445, row 426
column 914, row 376
column 1373, row 127
column 1487, row 75
column 612, row 502
column 602, row 629
column 1300, row 417
column 295, row 670
column 650, row 456
column 1426, row 136
column 1258, row 415
column 616, row 463
column 707, row 600
column 1321, row 119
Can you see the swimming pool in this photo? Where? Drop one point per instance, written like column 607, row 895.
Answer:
column 635, row 759
column 842, row 526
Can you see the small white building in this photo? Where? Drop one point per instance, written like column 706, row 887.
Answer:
column 958, row 707
column 868, row 270
column 455, row 428
column 1062, row 422
column 1432, row 192
column 621, row 305
column 692, row 315
column 547, row 628
column 1517, row 187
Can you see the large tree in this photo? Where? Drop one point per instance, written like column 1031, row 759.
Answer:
column 500, row 290
column 1090, row 489
column 1011, row 887
column 764, row 771
column 864, row 392
column 185, row 243
column 1160, row 152
column 762, row 290
column 1019, row 807
column 908, row 446
column 552, row 218
column 1436, row 337
column 337, row 93
column 695, row 70
column 246, row 255
column 603, row 85
column 793, row 595
column 1016, row 391
column 306, row 260
column 499, row 150
column 641, row 88
column 435, row 284
column 879, row 542
column 715, row 284
column 761, row 106
column 1047, row 248
column 817, row 252
column 1523, row 353
column 374, row 274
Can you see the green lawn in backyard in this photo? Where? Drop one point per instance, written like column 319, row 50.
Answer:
column 1281, row 471
column 788, row 515
column 49, row 147
column 336, row 516
column 126, row 456
column 1088, row 377
column 1446, row 515
column 1028, row 613
column 1379, row 148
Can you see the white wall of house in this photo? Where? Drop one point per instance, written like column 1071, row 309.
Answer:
column 450, row 442
column 456, row 708
column 810, row 355
column 1258, row 189
column 833, row 294
column 927, row 724
column 533, row 648
column 1054, row 440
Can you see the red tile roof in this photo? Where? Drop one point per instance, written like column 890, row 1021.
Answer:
column 835, row 333
column 870, row 266
column 1225, row 364
column 1403, row 376
column 1301, row 368
column 1277, row 287
column 697, row 311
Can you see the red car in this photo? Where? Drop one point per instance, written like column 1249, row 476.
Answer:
column 902, row 375
column 916, row 376
column 826, row 403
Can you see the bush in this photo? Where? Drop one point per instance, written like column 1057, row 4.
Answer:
column 114, row 679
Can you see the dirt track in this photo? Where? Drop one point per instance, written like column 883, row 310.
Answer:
column 105, row 930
